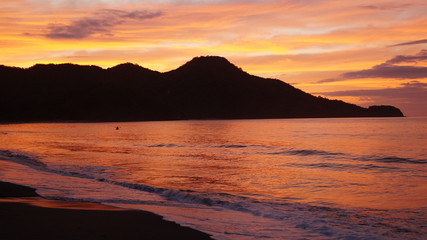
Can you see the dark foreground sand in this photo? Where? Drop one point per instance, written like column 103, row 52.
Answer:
column 25, row 215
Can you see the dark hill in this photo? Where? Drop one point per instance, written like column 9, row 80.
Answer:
column 203, row 88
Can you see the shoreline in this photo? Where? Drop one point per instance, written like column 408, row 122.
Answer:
column 26, row 215
column 193, row 119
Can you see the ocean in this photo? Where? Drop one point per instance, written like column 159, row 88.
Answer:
column 337, row 178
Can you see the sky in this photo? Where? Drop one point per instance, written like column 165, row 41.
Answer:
column 362, row 52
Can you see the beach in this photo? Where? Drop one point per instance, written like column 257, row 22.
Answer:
column 26, row 215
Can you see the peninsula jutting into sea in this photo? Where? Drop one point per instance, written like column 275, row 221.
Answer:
column 204, row 88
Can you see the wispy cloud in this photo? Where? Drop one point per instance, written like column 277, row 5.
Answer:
column 389, row 69
column 100, row 22
column 406, row 90
column 386, row 6
column 410, row 43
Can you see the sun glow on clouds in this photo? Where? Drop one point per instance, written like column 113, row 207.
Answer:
column 328, row 47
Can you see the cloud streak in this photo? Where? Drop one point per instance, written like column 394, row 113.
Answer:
column 101, row 22
column 385, row 6
column 410, row 43
column 389, row 69
column 413, row 89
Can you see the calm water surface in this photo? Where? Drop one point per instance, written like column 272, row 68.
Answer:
column 241, row 179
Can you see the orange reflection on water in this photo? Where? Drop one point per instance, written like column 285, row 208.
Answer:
column 378, row 163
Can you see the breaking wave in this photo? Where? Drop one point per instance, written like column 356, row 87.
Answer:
column 21, row 158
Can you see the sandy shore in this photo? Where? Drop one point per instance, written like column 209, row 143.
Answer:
column 25, row 215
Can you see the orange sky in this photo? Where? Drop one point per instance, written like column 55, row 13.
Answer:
column 363, row 52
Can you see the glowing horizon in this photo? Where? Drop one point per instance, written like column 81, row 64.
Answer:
column 363, row 53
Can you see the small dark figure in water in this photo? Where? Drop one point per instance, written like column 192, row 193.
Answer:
column 117, row 128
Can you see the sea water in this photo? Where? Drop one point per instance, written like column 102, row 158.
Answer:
column 343, row 178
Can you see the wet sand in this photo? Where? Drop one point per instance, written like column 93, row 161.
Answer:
column 25, row 215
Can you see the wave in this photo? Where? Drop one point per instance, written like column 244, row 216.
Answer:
column 315, row 219
column 22, row 158
column 299, row 215
column 185, row 196
column 391, row 159
column 344, row 167
column 305, row 152
column 231, row 146
column 164, row 145
column 33, row 162
column 276, row 150
column 343, row 156
column 169, row 194
column 169, row 145
column 325, row 155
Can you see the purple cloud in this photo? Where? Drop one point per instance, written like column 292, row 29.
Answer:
column 419, row 57
column 389, row 69
column 100, row 22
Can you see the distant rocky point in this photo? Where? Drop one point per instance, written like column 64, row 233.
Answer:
column 203, row 88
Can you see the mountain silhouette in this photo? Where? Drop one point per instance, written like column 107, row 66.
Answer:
column 203, row 88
